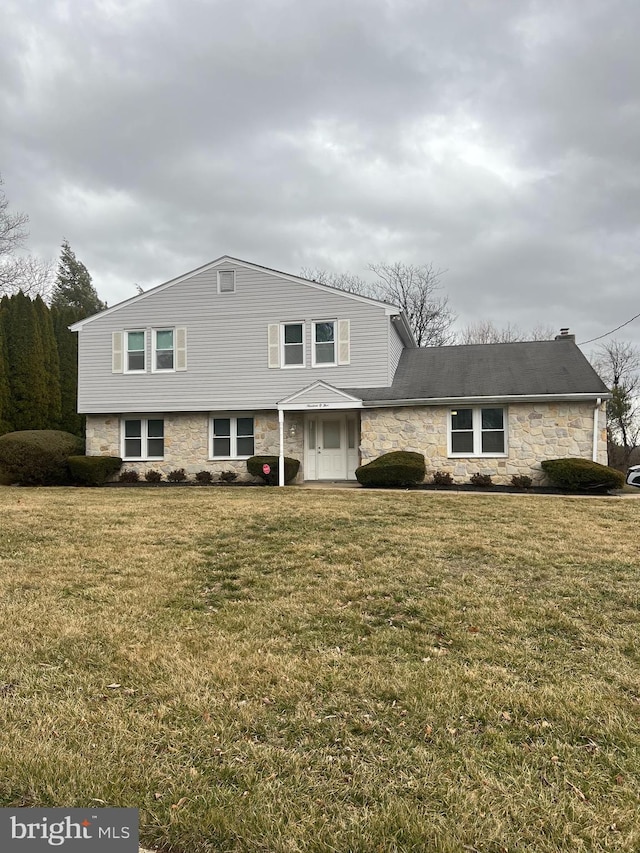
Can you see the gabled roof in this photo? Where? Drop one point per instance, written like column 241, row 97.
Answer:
column 320, row 395
column 392, row 310
column 514, row 370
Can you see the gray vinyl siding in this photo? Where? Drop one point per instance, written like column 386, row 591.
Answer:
column 227, row 359
column 395, row 351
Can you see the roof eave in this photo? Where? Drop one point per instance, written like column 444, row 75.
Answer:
column 496, row 398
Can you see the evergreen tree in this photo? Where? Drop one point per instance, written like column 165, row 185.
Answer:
column 30, row 401
column 74, row 298
column 73, row 288
column 51, row 363
column 67, row 343
column 5, row 422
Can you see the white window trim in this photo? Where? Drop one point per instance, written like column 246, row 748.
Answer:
column 154, row 340
column 144, row 429
column 225, row 292
column 283, row 346
column 125, row 351
column 315, row 363
column 233, row 417
column 477, row 433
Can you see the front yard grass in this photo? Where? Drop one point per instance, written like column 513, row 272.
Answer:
column 285, row 670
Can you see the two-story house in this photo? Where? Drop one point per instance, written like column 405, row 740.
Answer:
column 235, row 359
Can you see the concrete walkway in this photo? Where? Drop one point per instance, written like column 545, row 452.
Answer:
column 353, row 484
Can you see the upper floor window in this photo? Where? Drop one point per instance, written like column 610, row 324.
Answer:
column 226, row 281
column 324, row 342
column 293, row 344
column 168, row 350
column 330, row 343
column 477, row 432
column 232, row 437
column 163, row 349
column 143, row 438
column 136, row 346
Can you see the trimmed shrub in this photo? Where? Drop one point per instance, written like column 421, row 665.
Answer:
column 177, row 476
column 153, row 476
column 228, row 477
column 521, row 481
column 255, row 463
column 38, row 457
column 398, row 468
column 129, row 476
column 93, row 470
column 442, row 478
column 204, row 477
column 572, row 474
column 483, row 481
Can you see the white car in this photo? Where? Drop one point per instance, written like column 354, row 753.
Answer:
column 633, row 476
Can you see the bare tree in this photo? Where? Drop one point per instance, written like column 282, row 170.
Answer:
column 13, row 233
column 31, row 275
column 618, row 363
column 414, row 288
column 340, row 280
column 485, row 332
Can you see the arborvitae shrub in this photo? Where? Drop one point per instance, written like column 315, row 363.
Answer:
column 38, row 457
column 152, row 476
column 129, row 476
column 204, row 477
column 93, row 470
column 573, row 474
column 177, row 476
column 398, row 468
column 481, row 480
column 255, row 464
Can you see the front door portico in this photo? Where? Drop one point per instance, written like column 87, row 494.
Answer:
column 331, row 445
column 331, row 430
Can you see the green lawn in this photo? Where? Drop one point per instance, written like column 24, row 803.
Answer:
column 288, row 670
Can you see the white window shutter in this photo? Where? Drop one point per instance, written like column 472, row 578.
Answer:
column 181, row 348
column 117, row 360
column 273, row 334
column 344, row 342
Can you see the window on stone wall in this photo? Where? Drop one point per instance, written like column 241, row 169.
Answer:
column 142, row 438
column 476, row 431
column 232, row 437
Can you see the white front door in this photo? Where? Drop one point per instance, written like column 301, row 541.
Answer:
column 332, row 459
column 331, row 441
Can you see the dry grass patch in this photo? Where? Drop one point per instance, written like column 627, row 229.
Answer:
column 352, row 671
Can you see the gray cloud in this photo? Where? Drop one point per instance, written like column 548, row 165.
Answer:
column 497, row 140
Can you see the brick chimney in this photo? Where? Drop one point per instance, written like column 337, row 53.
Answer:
column 565, row 336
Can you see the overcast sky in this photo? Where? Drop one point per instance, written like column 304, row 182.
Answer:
column 497, row 139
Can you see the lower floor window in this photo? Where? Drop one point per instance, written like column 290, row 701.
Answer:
column 143, row 438
column 232, row 437
column 477, row 432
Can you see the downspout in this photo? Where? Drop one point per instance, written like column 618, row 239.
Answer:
column 596, row 412
column 281, row 458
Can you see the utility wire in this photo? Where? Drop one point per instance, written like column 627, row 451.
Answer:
column 621, row 326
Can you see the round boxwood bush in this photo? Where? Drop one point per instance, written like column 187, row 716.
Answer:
column 398, row 468
column 93, row 470
column 576, row 474
column 38, row 457
column 255, row 465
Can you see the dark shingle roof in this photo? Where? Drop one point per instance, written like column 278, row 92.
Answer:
column 490, row 370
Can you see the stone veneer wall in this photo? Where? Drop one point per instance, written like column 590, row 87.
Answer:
column 535, row 432
column 186, row 442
